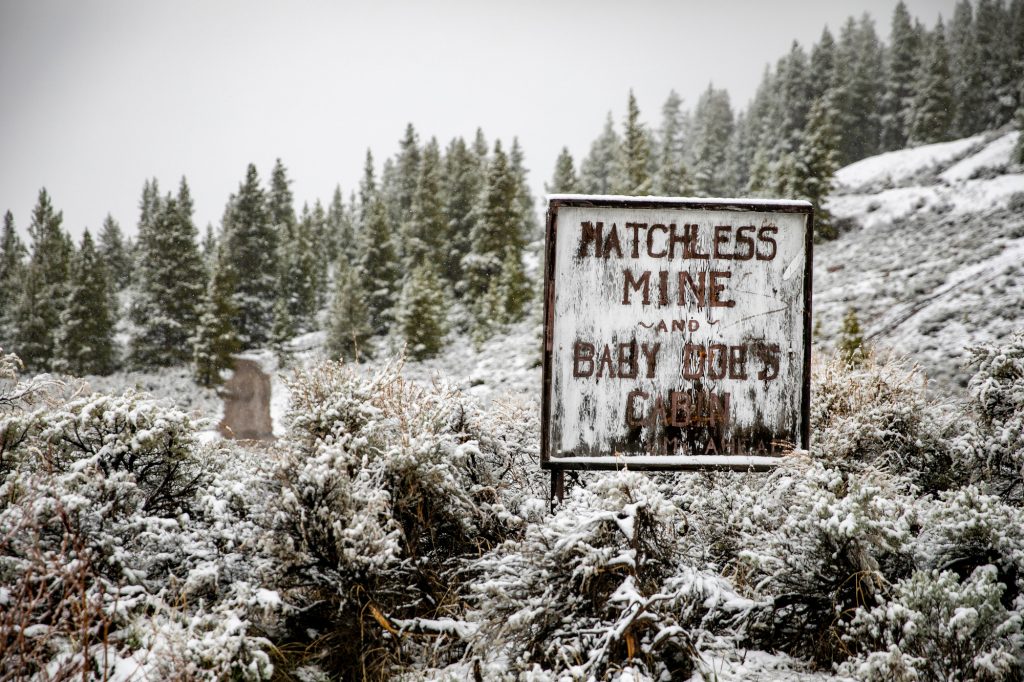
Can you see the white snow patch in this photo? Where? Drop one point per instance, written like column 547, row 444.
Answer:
column 995, row 155
column 901, row 165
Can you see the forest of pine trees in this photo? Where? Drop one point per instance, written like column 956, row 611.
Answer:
column 440, row 231
column 433, row 238
column 845, row 99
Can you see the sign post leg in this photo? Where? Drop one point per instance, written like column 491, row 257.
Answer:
column 557, row 488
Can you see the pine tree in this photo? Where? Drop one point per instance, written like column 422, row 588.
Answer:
column 671, row 178
column 424, row 234
column 499, row 229
column 823, row 65
column 713, row 126
column 600, row 168
column 421, row 315
column 378, row 266
column 367, row 187
column 1019, row 122
column 794, row 96
column 858, row 80
column 114, row 255
column 564, row 180
column 406, row 176
column 341, row 234
column 966, row 73
column 463, row 182
column 38, row 315
column 931, row 114
column 12, row 266
column 171, row 278
column 530, row 228
column 634, row 154
column 215, row 340
column 280, row 204
column 300, row 282
column 851, row 346
column 816, row 164
column 902, row 67
column 251, row 245
column 348, row 324
column 85, row 339
column 992, row 39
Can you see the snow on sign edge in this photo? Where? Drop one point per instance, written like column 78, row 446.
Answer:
column 604, row 451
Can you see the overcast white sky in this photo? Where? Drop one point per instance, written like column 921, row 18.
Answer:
column 96, row 96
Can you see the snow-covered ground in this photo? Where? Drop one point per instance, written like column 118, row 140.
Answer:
column 932, row 258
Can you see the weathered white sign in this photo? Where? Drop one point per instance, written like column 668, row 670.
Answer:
column 677, row 333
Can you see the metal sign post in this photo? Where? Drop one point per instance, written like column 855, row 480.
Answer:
column 676, row 333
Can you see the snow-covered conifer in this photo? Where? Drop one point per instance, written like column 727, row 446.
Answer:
column 85, row 339
column 215, row 340
column 930, row 114
column 635, row 154
column 114, row 254
column 422, row 313
column 600, row 167
column 348, row 320
column 564, row 180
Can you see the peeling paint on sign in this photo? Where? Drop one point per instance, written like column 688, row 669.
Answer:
column 677, row 333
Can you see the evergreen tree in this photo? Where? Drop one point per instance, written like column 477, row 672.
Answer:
column 794, row 96
column 341, row 234
column 499, row 230
column 851, row 346
column 421, row 316
column 600, row 168
column 858, row 80
column 114, row 255
column 280, row 204
column 251, row 245
column 284, row 326
column 564, row 180
column 367, row 187
column 524, row 197
column 209, row 247
column 424, row 234
column 378, row 266
column 965, row 72
column 902, row 66
column 12, row 266
column 823, row 65
column 407, row 173
column 931, row 114
column 634, row 154
column 171, row 278
column 37, row 316
column 300, row 281
column 215, row 340
column 713, row 127
column 671, row 178
column 348, row 323
column 463, row 182
column 85, row 339
column 992, row 39
column 481, row 149
column 816, row 164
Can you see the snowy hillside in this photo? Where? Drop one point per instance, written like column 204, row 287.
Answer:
column 932, row 256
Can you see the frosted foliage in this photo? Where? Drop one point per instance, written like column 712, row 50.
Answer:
column 937, row 627
column 109, row 515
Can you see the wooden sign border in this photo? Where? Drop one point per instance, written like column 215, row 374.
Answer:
column 726, row 462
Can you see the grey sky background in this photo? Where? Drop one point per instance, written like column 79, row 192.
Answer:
column 97, row 96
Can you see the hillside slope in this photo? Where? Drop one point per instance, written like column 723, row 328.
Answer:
column 932, row 255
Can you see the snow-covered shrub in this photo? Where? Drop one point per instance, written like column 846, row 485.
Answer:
column 595, row 588
column 101, row 530
column 17, row 398
column 821, row 543
column 382, row 497
column 878, row 415
column 937, row 627
column 992, row 451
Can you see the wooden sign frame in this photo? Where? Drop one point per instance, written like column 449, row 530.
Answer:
column 559, row 462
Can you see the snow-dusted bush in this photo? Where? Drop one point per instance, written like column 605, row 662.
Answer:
column 382, row 496
column 821, row 543
column 992, row 451
column 101, row 530
column 878, row 415
column 600, row 587
column 937, row 627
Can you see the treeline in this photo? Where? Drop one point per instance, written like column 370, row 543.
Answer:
column 845, row 100
column 439, row 229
